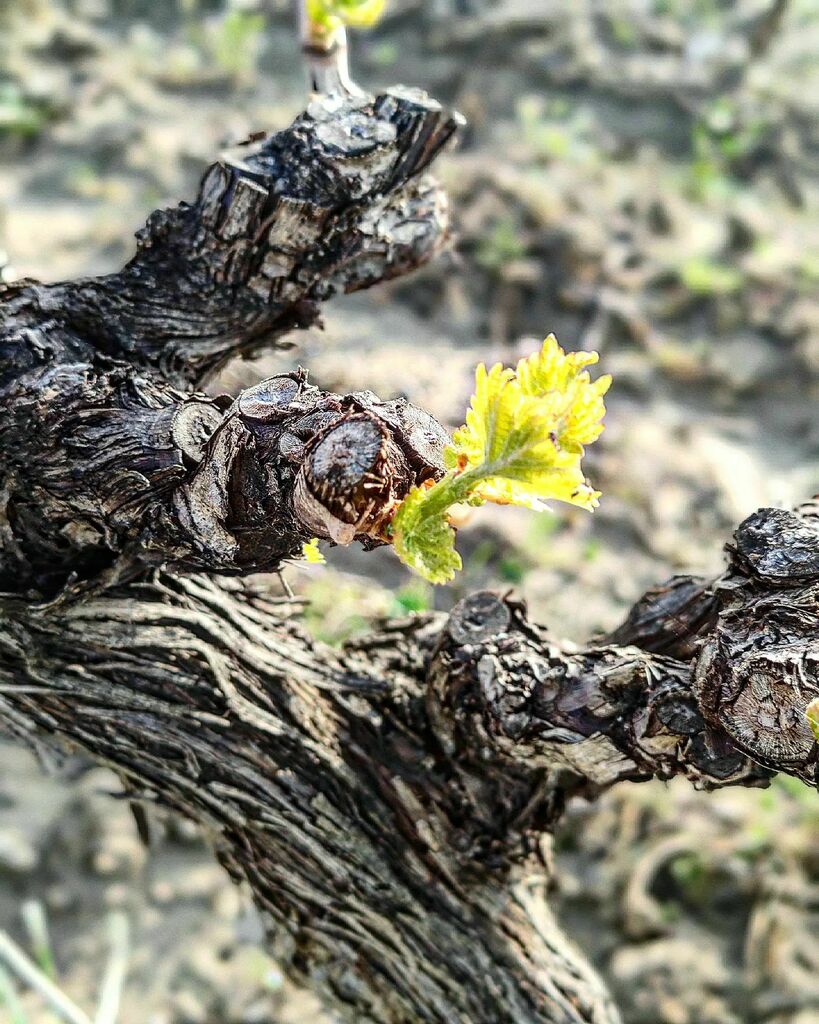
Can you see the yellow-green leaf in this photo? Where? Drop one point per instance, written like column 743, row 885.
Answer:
column 357, row 13
column 522, row 444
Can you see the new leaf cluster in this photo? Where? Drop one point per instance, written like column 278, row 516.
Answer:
column 522, row 444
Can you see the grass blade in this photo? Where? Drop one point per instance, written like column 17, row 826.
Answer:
column 36, row 925
column 9, row 1000
column 112, row 980
column 27, row 971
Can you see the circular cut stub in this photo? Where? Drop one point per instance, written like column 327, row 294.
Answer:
column 342, row 483
column 760, row 696
column 478, row 617
column 270, row 398
column 193, row 426
column 423, row 439
column 779, row 545
column 344, row 456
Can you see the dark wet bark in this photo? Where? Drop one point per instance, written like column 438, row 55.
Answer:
column 106, row 472
column 334, row 203
column 108, row 460
column 388, row 804
column 319, row 779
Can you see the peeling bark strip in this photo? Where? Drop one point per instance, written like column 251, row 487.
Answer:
column 387, row 804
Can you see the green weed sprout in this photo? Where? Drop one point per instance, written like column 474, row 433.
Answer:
column 522, row 444
column 41, row 975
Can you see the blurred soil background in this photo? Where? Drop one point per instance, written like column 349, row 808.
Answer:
column 640, row 177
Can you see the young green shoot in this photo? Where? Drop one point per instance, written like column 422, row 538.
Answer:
column 323, row 25
column 332, row 14
column 522, row 444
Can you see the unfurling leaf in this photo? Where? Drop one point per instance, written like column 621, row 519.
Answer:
column 522, row 444
column 357, row 13
column 312, row 554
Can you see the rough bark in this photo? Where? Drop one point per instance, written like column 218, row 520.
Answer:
column 318, row 777
column 389, row 803
column 106, row 464
column 334, row 203
column 723, row 703
column 106, row 472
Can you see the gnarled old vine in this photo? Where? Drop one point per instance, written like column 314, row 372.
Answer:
column 387, row 803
